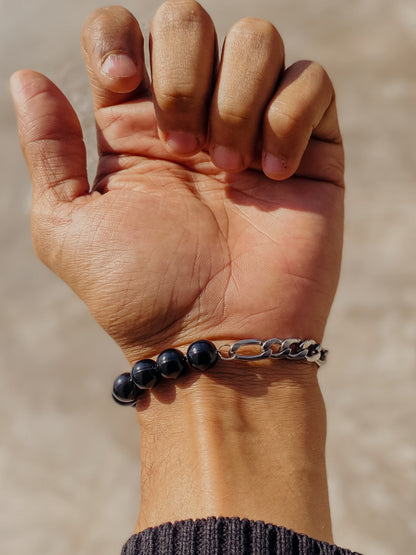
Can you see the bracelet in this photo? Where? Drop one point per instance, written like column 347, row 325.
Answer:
column 203, row 355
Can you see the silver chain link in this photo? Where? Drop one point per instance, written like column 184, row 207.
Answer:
column 292, row 349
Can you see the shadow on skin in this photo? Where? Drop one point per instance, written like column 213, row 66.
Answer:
column 251, row 379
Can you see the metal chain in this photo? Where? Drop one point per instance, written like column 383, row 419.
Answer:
column 292, row 349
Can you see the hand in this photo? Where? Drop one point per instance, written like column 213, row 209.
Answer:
column 218, row 203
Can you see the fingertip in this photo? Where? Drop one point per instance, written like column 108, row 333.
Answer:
column 25, row 85
column 182, row 143
column 15, row 86
column 275, row 167
column 14, row 80
column 227, row 159
column 18, row 82
column 112, row 44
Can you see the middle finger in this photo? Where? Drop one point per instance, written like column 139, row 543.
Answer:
column 183, row 58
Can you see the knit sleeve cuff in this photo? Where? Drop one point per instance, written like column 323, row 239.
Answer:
column 223, row 536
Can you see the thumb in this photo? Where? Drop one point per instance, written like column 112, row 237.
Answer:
column 51, row 139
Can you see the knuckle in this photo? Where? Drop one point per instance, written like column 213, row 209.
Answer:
column 101, row 17
column 334, row 169
column 186, row 13
column 285, row 120
column 258, row 33
column 253, row 25
column 229, row 116
column 320, row 75
column 318, row 78
column 107, row 25
column 176, row 101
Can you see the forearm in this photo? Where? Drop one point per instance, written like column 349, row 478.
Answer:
column 243, row 441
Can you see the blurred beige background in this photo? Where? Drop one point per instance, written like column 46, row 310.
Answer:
column 68, row 455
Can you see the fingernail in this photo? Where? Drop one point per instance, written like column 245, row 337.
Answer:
column 227, row 158
column 119, row 65
column 272, row 165
column 181, row 142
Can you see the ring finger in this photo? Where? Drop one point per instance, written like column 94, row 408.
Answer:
column 252, row 59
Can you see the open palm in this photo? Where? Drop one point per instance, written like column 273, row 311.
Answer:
column 167, row 249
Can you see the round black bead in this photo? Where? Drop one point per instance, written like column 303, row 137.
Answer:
column 171, row 363
column 145, row 373
column 202, row 355
column 125, row 391
column 124, row 403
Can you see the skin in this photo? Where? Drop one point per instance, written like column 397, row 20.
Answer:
column 216, row 213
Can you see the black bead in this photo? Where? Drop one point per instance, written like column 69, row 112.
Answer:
column 171, row 363
column 202, row 355
column 145, row 373
column 124, row 403
column 124, row 390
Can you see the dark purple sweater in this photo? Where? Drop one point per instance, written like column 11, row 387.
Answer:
column 226, row 536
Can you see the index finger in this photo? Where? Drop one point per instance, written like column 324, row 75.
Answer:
column 112, row 45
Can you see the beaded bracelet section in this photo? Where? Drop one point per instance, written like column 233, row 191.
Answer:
column 203, row 355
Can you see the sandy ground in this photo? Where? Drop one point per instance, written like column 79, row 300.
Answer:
column 68, row 456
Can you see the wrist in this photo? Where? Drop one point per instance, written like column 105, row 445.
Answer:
column 203, row 355
column 243, row 440
column 140, row 350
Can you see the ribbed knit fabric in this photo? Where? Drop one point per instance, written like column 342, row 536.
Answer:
column 226, row 536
